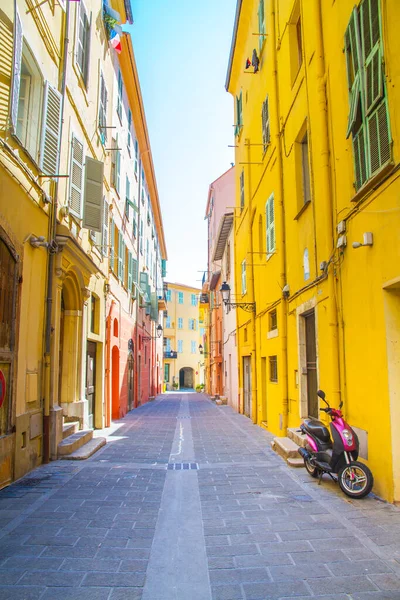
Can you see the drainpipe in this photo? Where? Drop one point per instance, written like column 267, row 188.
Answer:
column 138, row 299
column 326, row 192
column 254, row 407
column 48, row 386
column 281, row 231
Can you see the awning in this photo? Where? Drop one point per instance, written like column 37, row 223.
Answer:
column 214, row 279
column 225, row 227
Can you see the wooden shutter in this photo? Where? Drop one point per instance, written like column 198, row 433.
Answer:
column 104, row 241
column 134, row 270
column 379, row 138
column 265, row 123
column 261, row 24
column 120, row 248
column 16, row 70
column 51, row 127
column 270, row 219
column 372, row 53
column 93, row 199
column 103, row 109
column 130, row 271
column 154, row 307
column 75, row 178
column 360, row 160
column 117, row 167
column 112, row 246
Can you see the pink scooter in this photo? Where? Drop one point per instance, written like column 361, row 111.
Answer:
column 340, row 457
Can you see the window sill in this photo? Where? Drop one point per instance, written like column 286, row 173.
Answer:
column 375, row 181
column 302, row 210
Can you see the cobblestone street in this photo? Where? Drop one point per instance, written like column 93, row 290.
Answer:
column 187, row 501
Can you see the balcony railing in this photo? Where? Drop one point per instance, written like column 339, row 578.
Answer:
column 170, row 354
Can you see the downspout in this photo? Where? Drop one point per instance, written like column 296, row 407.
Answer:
column 282, row 230
column 48, row 386
column 138, row 299
column 254, row 403
column 326, row 192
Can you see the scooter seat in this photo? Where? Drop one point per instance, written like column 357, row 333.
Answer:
column 317, row 429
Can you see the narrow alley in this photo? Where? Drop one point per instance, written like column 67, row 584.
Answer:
column 187, row 501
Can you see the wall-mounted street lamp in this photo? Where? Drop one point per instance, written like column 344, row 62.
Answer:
column 202, row 352
column 226, row 295
column 147, row 338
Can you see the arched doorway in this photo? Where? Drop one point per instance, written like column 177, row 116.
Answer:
column 70, row 336
column 186, row 378
column 115, row 382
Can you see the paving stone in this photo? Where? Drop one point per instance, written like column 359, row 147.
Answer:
column 232, row 576
column 133, row 565
column 262, row 561
column 298, row 573
column 236, row 550
column 227, row 592
column 88, row 564
column 73, row 594
column 51, row 579
column 335, row 543
column 24, row 593
column 360, row 567
column 126, row 594
column 114, row 579
column 386, row 581
column 222, row 562
column 274, row 591
column 347, row 585
column 28, row 563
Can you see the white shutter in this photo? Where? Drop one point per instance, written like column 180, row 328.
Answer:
column 17, row 61
column 93, row 199
column 104, row 242
column 75, row 178
column 270, row 219
column 49, row 146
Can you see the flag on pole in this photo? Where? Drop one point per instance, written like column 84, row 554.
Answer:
column 115, row 41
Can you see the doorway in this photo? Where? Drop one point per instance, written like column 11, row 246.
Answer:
column 130, row 381
column 186, row 378
column 247, row 385
column 311, row 365
column 91, row 381
column 115, row 383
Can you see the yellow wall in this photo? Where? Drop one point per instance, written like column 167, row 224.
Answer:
column 355, row 299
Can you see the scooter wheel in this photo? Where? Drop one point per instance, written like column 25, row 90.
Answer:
column 355, row 480
column 311, row 469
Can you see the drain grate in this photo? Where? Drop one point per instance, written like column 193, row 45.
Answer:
column 183, row 467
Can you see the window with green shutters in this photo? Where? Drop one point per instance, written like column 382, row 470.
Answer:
column 270, row 220
column 239, row 114
column 244, row 278
column 261, row 24
column 368, row 121
column 242, row 190
column 266, row 134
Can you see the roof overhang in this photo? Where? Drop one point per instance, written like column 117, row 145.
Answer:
column 225, row 227
column 214, row 279
column 233, row 44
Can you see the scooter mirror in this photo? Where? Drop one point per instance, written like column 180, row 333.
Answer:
column 341, row 404
column 321, row 394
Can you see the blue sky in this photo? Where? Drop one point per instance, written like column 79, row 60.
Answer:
column 182, row 51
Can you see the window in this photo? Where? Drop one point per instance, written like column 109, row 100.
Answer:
column 193, row 347
column 180, row 297
column 242, row 190
column 180, row 346
column 168, row 295
column 166, row 373
column 295, row 43
column 116, row 165
column 270, row 219
column 260, row 236
column 167, row 344
column 192, row 324
column 299, row 43
column 305, row 170
column 261, row 24
column 239, row 115
column 368, row 120
column 194, row 300
column 266, row 134
column 104, row 240
column 141, row 237
column 244, row 281
column 76, row 177
column 180, row 323
column 168, row 322
column 103, row 110
column 83, row 42
column 129, row 131
column 136, row 157
column 202, row 331
column 273, row 369
column 119, row 96
column 272, row 320
column 127, row 197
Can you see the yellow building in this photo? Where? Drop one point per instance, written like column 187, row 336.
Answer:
column 317, row 216
column 182, row 337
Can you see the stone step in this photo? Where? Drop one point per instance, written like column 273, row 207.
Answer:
column 297, row 463
column 86, row 450
column 74, row 441
column 286, row 447
column 295, row 435
column 70, row 428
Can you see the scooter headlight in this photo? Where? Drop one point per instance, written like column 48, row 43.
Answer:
column 348, row 436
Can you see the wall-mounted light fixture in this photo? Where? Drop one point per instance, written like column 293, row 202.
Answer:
column 202, row 352
column 286, row 291
column 368, row 240
column 159, row 330
column 226, row 295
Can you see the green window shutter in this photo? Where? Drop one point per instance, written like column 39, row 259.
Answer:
column 270, row 220
column 353, row 63
column 76, row 178
column 154, row 307
column 117, row 168
column 265, row 123
column 134, row 270
column 112, row 244
column 104, row 241
column 163, row 267
column 360, row 157
column 134, row 226
column 261, row 24
column 370, row 26
column 93, row 199
column 120, row 245
column 379, row 138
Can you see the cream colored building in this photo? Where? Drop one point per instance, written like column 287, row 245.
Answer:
column 183, row 361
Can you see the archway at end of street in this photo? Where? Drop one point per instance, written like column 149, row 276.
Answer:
column 186, row 378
